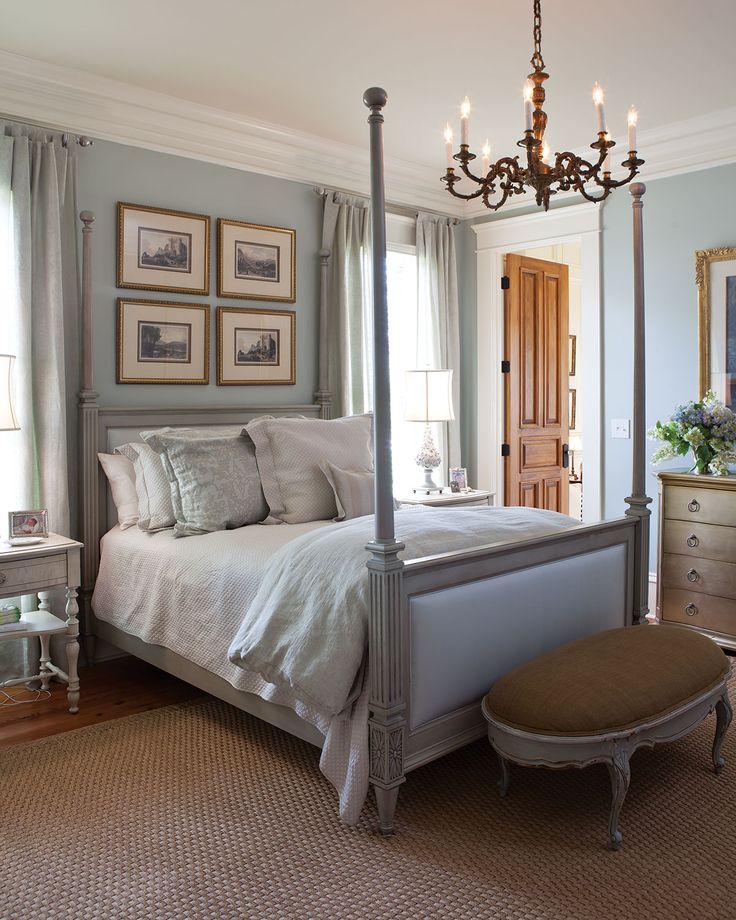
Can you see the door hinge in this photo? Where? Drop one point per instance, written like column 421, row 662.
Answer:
column 505, row 283
column 505, row 450
column 505, row 367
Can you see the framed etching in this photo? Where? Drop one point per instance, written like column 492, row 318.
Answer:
column 256, row 347
column 163, row 342
column 715, row 277
column 255, row 262
column 573, row 410
column 162, row 250
column 572, row 355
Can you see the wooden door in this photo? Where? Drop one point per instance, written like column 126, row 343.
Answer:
column 536, row 384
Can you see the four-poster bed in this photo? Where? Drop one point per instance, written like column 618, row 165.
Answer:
column 441, row 627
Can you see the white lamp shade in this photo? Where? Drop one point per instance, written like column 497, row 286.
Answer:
column 8, row 421
column 576, row 442
column 428, row 396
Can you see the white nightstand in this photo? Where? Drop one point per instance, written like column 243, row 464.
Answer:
column 36, row 570
column 448, row 498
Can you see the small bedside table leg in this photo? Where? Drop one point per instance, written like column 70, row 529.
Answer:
column 72, row 648
column 44, row 673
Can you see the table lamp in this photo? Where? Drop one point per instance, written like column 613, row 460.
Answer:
column 575, row 446
column 428, row 398
column 8, row 420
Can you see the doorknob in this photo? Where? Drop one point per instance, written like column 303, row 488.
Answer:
column 565, row 455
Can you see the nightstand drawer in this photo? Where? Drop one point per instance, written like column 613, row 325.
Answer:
column 709, row 541
column 28, row 574
column 701, row 610
column 709, row 506
column 706, row 576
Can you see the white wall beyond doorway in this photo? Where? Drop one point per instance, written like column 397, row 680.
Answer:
column 494, row 239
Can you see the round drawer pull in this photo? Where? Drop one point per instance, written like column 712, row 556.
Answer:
column 692, row 575
column 694, row 505
column 692, row 540
column 3, row 578
column 691, row 610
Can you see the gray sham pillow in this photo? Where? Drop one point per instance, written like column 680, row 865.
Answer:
column 155, row 511
column 213, row 478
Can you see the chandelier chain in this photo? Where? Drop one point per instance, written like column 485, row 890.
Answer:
column 537, row 59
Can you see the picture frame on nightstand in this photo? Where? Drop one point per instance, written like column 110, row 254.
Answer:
column 34, row 523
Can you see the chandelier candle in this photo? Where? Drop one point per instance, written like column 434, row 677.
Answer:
column 544, row 172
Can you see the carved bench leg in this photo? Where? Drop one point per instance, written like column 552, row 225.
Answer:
column 618, row 770
column 503, row 783
column 724, row 714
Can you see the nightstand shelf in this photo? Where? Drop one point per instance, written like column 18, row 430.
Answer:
column 39, row 569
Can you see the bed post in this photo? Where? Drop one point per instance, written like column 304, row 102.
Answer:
column 385, row 635
column 323, row 396
column 89, row 493
column 639, row 500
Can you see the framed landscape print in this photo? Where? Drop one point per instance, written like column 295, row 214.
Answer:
column 255, row 262
column 162, row 342
column 715, row 277
column 162, row 250
column 255, row 346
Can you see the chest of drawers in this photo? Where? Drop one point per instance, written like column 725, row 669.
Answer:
column 696, row 571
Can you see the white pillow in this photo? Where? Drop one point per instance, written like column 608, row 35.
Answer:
column 354, row 491
column 291, row 453
column 121, row 476
column 155, row 510
column 213, row 477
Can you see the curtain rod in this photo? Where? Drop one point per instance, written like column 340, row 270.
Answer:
column 82, row 140
column 399, row 209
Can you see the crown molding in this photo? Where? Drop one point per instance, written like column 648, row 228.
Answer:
column 76, row 101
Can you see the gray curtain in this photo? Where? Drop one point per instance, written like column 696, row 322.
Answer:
column 41, row 314
column 346, row 233
column 438, row 342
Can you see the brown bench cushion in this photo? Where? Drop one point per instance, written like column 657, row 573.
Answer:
column 611, row 681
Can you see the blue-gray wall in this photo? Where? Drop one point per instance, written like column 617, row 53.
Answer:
column 113, row 172
column 681, row 214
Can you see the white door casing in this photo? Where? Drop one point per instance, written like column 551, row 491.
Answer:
column 494, row 239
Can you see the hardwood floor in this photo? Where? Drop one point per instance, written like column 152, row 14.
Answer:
column 110, row 690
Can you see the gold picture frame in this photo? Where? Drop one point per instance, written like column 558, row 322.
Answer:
column 162, row 341
column 255, row 262
column 713, row 326
column 255, row 347
column 160, row 249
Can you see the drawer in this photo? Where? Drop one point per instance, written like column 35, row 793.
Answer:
column 702, row 610
column 706, row 576
column 32, row 574
column 708, row 506
column 709, row 541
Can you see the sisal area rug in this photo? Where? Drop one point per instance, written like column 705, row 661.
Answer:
column 200, row 811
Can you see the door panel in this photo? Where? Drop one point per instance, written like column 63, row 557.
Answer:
column 536, row 386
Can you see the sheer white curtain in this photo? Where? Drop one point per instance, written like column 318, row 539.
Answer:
column 438, row 333
column 346, row 233
column 38, row 289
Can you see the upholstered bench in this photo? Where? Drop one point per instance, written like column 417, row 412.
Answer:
column 598, row 699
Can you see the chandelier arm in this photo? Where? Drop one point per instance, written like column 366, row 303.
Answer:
column 617, row 183
column 594, row 198
column 455, row 194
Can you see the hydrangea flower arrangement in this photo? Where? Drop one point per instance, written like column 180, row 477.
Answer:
column 708, row 428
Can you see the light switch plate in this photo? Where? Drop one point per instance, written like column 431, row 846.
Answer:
column 619, row 428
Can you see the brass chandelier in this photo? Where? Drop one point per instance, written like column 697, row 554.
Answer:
column 547, row 175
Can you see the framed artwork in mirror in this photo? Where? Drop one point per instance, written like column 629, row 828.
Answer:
column 255, row 347
column 255, row 262
column 163, row 250
column 163, row 342
column 715, row 277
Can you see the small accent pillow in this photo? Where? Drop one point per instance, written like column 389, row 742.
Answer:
column 354, row 491
column 121, row 476
column 213, row 477
column 155, row 511
column 291, row 453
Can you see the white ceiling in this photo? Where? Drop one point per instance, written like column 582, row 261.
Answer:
column 305, row 63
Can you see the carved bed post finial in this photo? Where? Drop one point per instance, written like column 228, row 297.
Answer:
column 89, row 490
column 638, row 501
column 323, row 396
column 386, row 627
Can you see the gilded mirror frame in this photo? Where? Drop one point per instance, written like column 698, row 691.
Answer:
column 704, row 258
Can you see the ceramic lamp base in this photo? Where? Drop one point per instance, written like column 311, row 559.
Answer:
column 429, row 485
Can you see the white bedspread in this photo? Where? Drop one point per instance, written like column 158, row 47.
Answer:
column 194, row 595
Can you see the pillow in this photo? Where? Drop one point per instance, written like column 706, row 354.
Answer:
column 354, row 491
column 155, row 511
column 213, row 477
column 121, row 476
column 290, row 454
